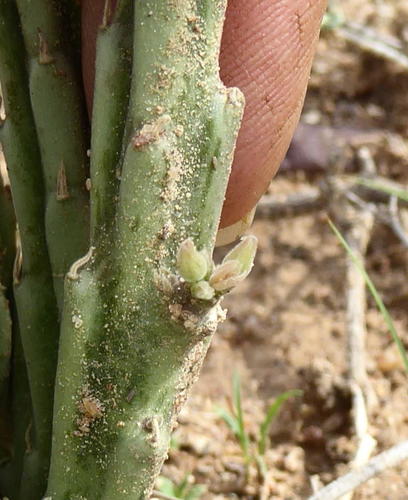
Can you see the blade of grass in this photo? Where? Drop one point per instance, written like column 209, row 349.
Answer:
column 195, row 492
column 183, row 490
column 399, row 193
column 380, row 304
column 236, row 396
column 182, row 487
column 270, row 415
column 229, row 419
column 166, row 486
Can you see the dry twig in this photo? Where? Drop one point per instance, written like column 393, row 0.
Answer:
column 395, row 222
column 317, row 198
column 299, row 203
column 368, row 198
column 389, row 48
column 358, row 237
column 359, row 221
column 349, row 482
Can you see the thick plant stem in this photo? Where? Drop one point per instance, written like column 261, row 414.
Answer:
column 15, row 403
column 38, row 325
column 133, row 338
column 58, row 109
column 114, row 66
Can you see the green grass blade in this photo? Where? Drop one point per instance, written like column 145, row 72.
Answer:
column 402, row 194
column 166, row 486
column 183, row 490
column 195, row 492
column 229, row 419
column 182, row 487
column 271, row 414
column 380, row 304
column 237, row 401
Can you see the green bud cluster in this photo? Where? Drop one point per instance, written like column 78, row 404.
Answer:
column 195, row 267
column 192, row 264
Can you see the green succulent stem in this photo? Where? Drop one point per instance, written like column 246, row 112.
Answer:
column 38, row 324
column 60, row 121
column 133, row 338
column 15, row 403
column 110, row 106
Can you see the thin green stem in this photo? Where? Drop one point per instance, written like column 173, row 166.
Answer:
column 111, row 98
column 392, row 191
column 242, row 434
column 32, row 278
column 60, row 120
column 271, row 413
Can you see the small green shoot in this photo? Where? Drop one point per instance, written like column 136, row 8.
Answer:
column 184, row 490
column 242, row 434
column 376, row 296
column 402, row 194
column 235, row 421
column 271, row 414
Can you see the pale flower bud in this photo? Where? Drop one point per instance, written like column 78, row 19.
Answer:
column 202, row 290
column 225, row 276
column 236, row 265
column 210, row 263
column 244, row 253
column 192, row 265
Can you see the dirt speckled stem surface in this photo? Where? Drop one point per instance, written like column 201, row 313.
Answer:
column 38, row 325
column 133, row 339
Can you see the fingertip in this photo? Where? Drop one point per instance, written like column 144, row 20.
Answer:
column 267, row 51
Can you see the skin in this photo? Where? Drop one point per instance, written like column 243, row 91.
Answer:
column 267, row 51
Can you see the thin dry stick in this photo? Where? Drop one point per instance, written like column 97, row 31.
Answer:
column 363, row 396
column 360, row 224
column 395, row 222
column 389, row 216
column 299, row 203
column 349, row 482
column 316, row 198
column 315, row 483
column 371, row 41
column 358, row 237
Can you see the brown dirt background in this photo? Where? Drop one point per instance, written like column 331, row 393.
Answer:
column 286, row 322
